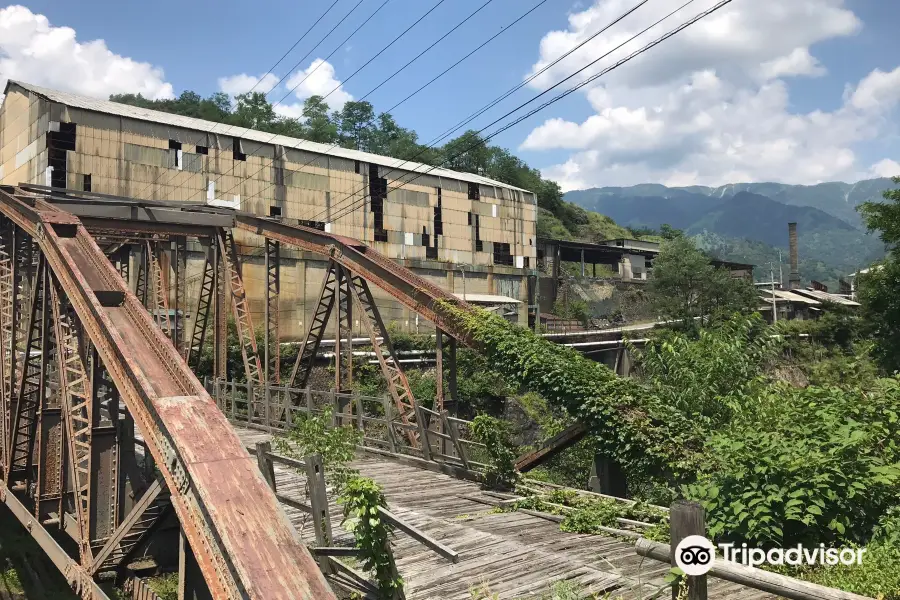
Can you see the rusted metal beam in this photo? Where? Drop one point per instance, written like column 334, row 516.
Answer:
column 241, row 308
column 307, row 354
column 179, row 267
column 567, row 438
column 205, row 306
column 415, row 292
column 145, row 512
column 398, row 384
column 272, row 349
column 244, row 545
column 77, row 577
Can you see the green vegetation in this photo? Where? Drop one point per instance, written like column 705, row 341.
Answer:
column 878, row 290
column 494, row 434
column 361, row 498
column 685, row 286
column 165, row 586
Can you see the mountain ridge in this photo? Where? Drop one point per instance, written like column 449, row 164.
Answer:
column 832, row 232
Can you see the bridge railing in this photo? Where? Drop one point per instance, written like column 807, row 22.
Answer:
column 445, row 441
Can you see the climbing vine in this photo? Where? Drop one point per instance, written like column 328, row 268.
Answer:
column 495, row 435
column 361, row 497
column 647, row 437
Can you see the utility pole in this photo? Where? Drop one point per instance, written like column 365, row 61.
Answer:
column 780, row 272
column 772, row 279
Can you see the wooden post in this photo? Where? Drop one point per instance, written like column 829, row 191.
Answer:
column 309, row 403
column 389, row 422
column 607, row 477
column 687, row 518
column 423, row 433
column 453, row 432
column 315, row 477
column 265, row 462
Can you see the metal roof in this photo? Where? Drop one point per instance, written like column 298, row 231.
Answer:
column 826, row 297
column 487, row 299
column 155, row 116
column 790, row 296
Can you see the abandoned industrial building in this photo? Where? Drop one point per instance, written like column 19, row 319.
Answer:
column 465, row 233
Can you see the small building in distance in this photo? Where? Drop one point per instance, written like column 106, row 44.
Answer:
column 429, row 219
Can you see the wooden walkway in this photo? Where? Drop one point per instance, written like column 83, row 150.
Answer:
column 502, row 555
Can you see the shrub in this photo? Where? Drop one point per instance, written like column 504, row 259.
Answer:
column 809, row 466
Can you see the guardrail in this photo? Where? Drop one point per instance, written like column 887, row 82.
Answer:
column 315, row 504
column 445, row 441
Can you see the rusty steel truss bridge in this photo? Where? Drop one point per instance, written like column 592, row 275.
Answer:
column 110, row 444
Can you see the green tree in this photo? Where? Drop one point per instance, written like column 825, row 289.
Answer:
column 684, row 285
column 253, row 110
column 468, row 153
column 320, row 127
column 356, row 128
column 879, row 289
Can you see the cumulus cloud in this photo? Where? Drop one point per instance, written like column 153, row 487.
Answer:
column 33, row 50
column 886, row 168
column 710, row 105
column 318, row 79
column 243, row 83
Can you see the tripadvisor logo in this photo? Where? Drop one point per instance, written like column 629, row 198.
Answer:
column 695, row 555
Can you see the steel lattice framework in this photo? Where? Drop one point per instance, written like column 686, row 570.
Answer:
column 108, row 436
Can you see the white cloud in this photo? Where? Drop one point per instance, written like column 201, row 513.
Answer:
column 243, row 83
column 710, row 106
column 877, row 90
column 34, row 51
column 319, row 80
column 798, row 62
column 886, row 168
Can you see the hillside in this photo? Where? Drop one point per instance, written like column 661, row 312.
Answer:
column 835, row 198
column 741, row 215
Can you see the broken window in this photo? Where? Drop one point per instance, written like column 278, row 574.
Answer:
column 60, row 140
column 479, row 246
column 175, row 147
column 502, row 255
column 470, row 218
column 202, row 150
column 86, row 182
column 474, row 192
column 438, row 219
column 377, row 196
column 356, row 167
column 237, row 150
column 525, row 262
column 274, row 211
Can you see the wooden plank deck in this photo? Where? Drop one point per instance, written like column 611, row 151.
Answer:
column 502, row 555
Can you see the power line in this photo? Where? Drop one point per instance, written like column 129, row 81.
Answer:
column 519, row 86
column 391, row 76
column 587, row 81
column 289, row 71
column 308, row 75
column 448, row 69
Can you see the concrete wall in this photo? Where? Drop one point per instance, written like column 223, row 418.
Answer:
column 133, row 158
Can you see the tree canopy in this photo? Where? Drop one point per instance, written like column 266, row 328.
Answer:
column 685, row 285
column 879, row 290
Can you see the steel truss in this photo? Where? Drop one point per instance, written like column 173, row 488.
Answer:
column 84, row 364
column 91, row 362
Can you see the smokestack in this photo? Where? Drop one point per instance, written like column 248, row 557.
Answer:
column 794, row 279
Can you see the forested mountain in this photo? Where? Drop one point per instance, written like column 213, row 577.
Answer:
column 742, row 217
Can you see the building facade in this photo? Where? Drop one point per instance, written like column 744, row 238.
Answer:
column 432, row 220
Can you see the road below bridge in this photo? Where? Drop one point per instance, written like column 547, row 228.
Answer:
column 502, row 555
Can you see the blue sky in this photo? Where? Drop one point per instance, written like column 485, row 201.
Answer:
column 581, row 140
